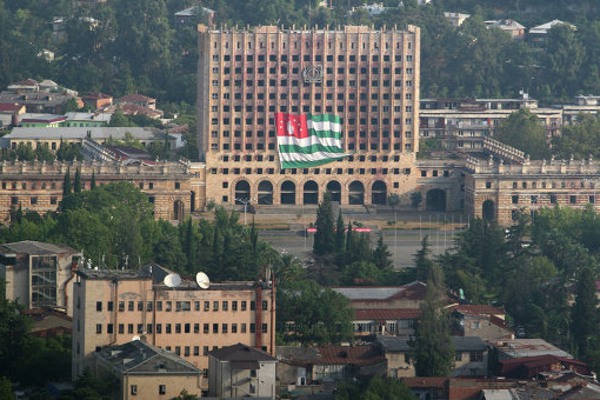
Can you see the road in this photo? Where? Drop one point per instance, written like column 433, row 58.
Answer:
column 403, row 245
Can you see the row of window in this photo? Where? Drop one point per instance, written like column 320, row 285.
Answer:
column 55, row 185
column 351, row 121
column 306, row 96
column 310, row 58
column 351, row 146
column 563, row 184
column 180, row 328
column 296, row 82
column 315, row 171
column 271, row 158
column 435, row 173
column 181, row 305
column 363, row 109
column 328, row 70
column 552, row 198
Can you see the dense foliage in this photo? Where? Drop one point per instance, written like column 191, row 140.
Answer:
column 541, row 270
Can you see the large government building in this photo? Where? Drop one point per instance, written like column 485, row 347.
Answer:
column 368, row 78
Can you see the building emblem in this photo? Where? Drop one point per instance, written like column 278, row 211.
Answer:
column 313, row 74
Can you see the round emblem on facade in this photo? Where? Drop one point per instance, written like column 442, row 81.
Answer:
column 313, row 74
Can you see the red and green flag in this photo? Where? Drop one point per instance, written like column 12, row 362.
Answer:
column 307, row 140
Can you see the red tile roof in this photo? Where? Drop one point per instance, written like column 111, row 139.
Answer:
column 387, row 313
column 426, row 382
column 356, row 355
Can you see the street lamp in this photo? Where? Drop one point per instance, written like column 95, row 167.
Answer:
column 245, row 202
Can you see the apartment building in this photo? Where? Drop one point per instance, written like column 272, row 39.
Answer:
column 114, row 307
column 39, row 275
column 369, row 78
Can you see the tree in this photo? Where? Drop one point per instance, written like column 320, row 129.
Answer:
column 67, row 183
column 324, row 242
column 77, row 184
column 415, row 199
column 340, row 235
column 431, row 345
column 423, row 264
column 93, row 182
column 6, row 392
column 584, row 312
column 523, row 131
column 578, row 140
column 14, row 330
column 375, row 388
column 393, row 201
column 381, row 256
column 319, row 314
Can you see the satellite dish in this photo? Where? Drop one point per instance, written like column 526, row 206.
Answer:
column 172, row 280
column 136, row 337
column 202, row 280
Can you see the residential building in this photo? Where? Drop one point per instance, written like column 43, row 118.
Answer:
column 35, row 120
column 96, row 100
column 241, row 371
column 190, row 15
column 463, row 124
column 369, row 78
column 486, row 322
column 532, row 367
column 37, row 136
column 138, row 99
column 113, row 307
column 39, row 275
column 510, row 26
column 9, row 114
column 538, row 34
column 146, row 372
column 40, row 97
column 519, row 348
column 456, row 19
column 471, row 356
column 87, row 120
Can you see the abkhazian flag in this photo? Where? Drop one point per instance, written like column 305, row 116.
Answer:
column 308, row 140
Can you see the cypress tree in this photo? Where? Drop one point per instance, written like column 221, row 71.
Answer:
column 93, row 182
column 381, row 257
column 340, row 235
column 431, row 345
column 77, row 184
column 324, row 242
column 584, row 312
column 67, row 183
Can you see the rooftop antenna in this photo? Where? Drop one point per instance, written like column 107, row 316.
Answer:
column 202, row 280
column 172, row 280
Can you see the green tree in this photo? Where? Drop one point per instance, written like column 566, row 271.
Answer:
column 14, row 330
column 564, row 57
column 431, row 345
column 584, row 312
column 67, row 183
column 340, row 235
column 6, row 392
column 381, row 256
column 319, row 314
column 523, row 130
column 578, row 140
column 423, row 262
column 77, row 183
column 324, row 241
